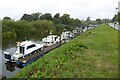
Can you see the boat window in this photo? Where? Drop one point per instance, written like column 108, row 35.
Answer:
column 7, row 56
column 31, row 46
column 52, row 42
column 48, row 42
column 55, row 38
column 21, row 49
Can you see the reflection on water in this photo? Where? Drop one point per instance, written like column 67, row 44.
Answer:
column 10, row 66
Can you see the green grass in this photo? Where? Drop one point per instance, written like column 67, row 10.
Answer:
column 93, row 54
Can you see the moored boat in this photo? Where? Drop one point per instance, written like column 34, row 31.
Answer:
column 50, row 40
column 25, row 48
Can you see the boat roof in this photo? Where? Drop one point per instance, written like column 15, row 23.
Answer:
column 26, row 43
column 52, row 36
column 66, row 32
column 47, row 39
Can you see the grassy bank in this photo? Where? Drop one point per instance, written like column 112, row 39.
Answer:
column 93, row 54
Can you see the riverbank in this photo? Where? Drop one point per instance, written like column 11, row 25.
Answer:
column 93, row 54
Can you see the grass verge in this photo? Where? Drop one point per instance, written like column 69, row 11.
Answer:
column 93, row 54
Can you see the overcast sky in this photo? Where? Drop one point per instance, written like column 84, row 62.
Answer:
column 76, row 8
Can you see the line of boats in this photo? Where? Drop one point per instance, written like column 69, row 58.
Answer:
column 26, row 48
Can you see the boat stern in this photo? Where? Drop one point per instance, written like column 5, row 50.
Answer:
column 8, row 57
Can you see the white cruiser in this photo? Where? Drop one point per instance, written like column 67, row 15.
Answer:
column 24, row 49
column 50, row 40
column 66, row 35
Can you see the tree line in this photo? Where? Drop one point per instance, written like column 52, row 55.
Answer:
column 37, row 25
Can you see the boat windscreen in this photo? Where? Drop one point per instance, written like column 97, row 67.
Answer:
column 21, row 49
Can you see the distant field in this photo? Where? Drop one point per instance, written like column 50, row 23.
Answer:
column 93, row 54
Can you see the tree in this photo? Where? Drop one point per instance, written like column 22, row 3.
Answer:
column 7, row 25
column 98, row 21
column 46, row 16
column 27, row 17
column 6, row 18
column 59, row 28
column 36, row 16
column 57, row 16
column 65, row 18
column 43, row 27
column 115, row 18
column 78, row 22
column 88, row 19
column 31, row 17
column 56, row 21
